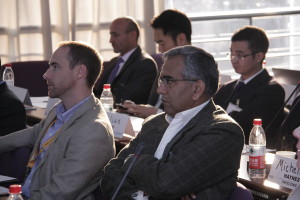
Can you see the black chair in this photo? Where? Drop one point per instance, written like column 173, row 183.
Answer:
column 29, row 75
column 241, row 193
column 14, row 163
column 158, row 59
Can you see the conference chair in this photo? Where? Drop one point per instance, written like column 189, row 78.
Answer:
column 13, row 164
column 29, row 75
column 241, row 193
column 158, row 59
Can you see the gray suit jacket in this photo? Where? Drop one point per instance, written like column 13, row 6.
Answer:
column 71, row 167
column 203, row 158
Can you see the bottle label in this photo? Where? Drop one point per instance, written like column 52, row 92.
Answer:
column 257, row 157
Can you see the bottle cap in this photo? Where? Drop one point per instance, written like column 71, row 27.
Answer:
column 15, row 189
column 257, row 122
column 106, row 86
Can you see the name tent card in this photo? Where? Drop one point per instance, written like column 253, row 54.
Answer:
column 21, row 93
column 121, row 124
column 284, row 172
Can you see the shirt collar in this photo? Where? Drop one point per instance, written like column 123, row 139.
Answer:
column 126, row 55
column 252, row 77
column 64, row 115
column 187, row 115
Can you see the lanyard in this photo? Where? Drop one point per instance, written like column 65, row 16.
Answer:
column 44, row 146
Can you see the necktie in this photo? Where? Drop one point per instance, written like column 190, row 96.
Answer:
column 115, row 70
column 236, row 92
column 239, row 86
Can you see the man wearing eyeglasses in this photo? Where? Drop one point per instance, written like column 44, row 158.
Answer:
column 255, row 94
column 192, row 150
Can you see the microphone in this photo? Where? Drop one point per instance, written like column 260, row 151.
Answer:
column 136, row 154
column 269, row 125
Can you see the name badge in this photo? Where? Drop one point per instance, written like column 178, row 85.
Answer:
column 232, row 107
column 284, row 172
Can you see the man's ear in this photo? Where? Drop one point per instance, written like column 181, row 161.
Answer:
column 181, row 39
column 198, row 89
column 81, row 71
column 259, row 57
column 133, row 35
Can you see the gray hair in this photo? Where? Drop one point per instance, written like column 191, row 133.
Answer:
column 199, row 65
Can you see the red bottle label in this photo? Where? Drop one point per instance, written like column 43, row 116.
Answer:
column 257, row 162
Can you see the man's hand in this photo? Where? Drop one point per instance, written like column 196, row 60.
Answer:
column 140, row 110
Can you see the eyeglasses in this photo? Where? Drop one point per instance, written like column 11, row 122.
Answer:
column 239, row 57
column 169, row 82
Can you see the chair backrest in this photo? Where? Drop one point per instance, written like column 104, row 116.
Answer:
column 29, row 75
column 14, row 163
column 158, row 59
column 241, row 192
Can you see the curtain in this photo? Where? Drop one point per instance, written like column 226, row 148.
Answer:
column 31, row 29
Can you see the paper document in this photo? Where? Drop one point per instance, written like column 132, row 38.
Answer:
column 40, row 102
column 3, row 190
column 6, row 178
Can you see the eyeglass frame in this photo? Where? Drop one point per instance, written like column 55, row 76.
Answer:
column 240, row 57
column 165, row 81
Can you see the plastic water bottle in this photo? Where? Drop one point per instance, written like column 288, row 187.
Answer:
column 15, row 192
column 107, row 98
column 8, row 75
column 257, row 151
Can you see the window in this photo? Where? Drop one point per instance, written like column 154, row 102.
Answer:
column 214, row 22
column 31, row 29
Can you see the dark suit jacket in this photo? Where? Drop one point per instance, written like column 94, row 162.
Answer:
column 12, row 111
column 153, row 97
column 262, row 97
column 134, row 81
column 203, row 158
column 286, row 140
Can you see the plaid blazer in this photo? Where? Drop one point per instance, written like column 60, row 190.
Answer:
column 203, row 158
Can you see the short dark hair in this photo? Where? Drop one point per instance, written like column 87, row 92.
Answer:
column 255, row 36
column 173, row 22
column 199, row 65
column 83, row 53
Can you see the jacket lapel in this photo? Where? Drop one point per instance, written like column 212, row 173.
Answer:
column 137, row 52
column 83, row 109
column 201, row 117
